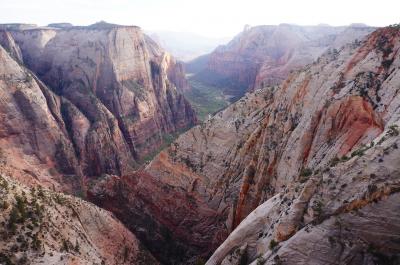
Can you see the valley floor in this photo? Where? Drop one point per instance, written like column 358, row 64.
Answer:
column 206, row 99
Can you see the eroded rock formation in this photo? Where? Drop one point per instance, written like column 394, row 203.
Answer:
column 109, row 90
column 301, row 173
column 265, row 55
column 320, row 150
column 81, row 102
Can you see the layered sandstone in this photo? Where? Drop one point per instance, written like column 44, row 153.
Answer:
column 302, row 173
column 176, row 226
column 81, row 102
column 321, row 152
column 116, row 94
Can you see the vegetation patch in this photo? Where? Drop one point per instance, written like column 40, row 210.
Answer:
column 273, row 244
column 305, row 174
column 205, row 99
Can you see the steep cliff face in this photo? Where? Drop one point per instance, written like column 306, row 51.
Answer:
column 265, row 55
column 120, row 94
column 8, row 43
column 320, row 166
column 78, row 103
column 34, row 143
column 44, row 227
column 168, row 204
column 302, row 173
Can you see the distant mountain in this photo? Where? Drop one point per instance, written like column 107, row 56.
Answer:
column 265, row 55
column 186, row 46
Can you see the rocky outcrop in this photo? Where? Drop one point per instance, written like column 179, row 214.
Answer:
column 301, row 173
column 318, row 165
column 118, row 95
column 8, row 43
column 34, row 143
column 44, row 227
column 265, row 55
column 82, row 102
column 79, row 103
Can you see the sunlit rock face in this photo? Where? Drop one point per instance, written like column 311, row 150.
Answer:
column 111, row 91
column 318, row 153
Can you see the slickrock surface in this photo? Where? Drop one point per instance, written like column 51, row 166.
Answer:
column 43, row 227
column 265, row 55
column 320, row 151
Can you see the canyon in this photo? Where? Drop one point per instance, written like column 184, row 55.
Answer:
column 89, row 100
column 265, row 55
column 312, row 166
column 78, row 103
column 300, row 170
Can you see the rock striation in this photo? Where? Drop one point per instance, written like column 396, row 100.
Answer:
column 8, row 43
column 110, row 90
column 34, row 143
column 317, row 155
column 167, row 220
column 78, row 103
column 301, row 173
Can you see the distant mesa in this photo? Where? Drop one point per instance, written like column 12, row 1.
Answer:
column 105, row 25
column 17, row 26
column 60, row 25
column 265, row 55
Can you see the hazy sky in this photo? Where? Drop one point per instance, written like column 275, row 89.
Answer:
column 206, row 17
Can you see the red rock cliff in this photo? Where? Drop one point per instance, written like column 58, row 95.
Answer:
column 274, row 140
column 120, row 94
column 265, row 55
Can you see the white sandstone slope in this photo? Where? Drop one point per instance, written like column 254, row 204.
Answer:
column 325, row 141
column 44, row 227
